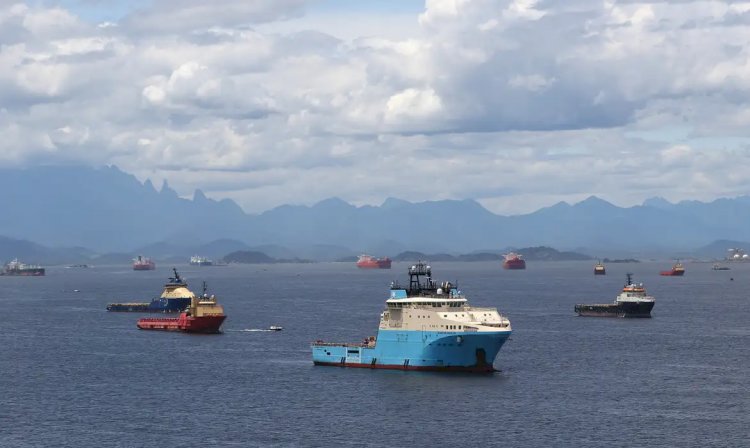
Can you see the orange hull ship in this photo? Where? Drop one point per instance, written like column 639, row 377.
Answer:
column 514, row 261
column 370, row 262
column 677, row 271
column 204, row 315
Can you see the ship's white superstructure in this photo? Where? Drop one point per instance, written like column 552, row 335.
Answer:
column 633, row 293
column 197, row 260
column 440, row 312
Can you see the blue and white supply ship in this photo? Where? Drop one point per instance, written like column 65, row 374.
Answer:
column 174, row 299
column 425, row 327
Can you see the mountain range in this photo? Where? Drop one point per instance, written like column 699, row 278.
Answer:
column 89, row 211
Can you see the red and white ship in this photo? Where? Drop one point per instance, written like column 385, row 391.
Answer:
column 677, row 270
column 204, row 315
column 514, row 261
column 370, row 262
column 143, row 264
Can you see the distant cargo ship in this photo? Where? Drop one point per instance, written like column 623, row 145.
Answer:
column 677, row 270
column 203, row 315
column 175, row 298
column 718, row 267
column 631, row 302
column 143, row 264
column 75, row 266
column 370, row 262
column 15, row 267
column 599, row 269
column 427, row 326
column 195, row 260
column 514, row 261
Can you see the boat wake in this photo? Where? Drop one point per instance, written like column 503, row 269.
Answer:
column 250, row 330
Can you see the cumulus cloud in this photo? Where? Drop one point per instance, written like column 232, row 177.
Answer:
column 522, row 102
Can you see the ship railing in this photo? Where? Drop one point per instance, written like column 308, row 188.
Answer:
column 339, row 344
column 480, row 309
column 159, row 319
column 504, row 324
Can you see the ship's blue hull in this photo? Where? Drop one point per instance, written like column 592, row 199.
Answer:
column 417, row 350
column 169, row 305
column 156, row 306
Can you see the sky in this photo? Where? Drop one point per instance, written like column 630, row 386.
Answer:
column 517, row 104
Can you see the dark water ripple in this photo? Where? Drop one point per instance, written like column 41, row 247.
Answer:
column 72, row 374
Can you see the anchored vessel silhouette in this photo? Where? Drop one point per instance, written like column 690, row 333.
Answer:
column 631, row 302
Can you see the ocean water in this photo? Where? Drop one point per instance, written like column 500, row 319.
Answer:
column 72, row 374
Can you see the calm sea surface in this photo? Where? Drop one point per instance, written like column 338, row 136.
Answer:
column 72, row 374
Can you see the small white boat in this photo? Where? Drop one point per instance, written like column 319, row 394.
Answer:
column 275, row 328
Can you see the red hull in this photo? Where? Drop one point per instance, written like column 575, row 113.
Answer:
column 185, row 323
column 514, row 264
column 672, row 273
column 143, row 264
column 474, row 369
column 380, row 264
column 368, row 262
column 144, row 267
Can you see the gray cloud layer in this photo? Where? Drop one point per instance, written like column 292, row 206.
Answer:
column 516, row 103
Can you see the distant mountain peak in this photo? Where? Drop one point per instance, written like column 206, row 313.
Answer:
column 595, row 201
column 165, row 190
column 394, row 202
column 562, row 205
column 199, row 196
column 657, row 202
column 333, row 202
column 149, row 186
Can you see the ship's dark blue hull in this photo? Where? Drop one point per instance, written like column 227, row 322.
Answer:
column 637, row 309
column 159, row 305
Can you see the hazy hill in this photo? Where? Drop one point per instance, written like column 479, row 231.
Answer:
column 540, row 253
column 214, row 249
column 248, row 256
column 107, row 210
column 719, row 249
column 442, row 225
column 32, row 253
